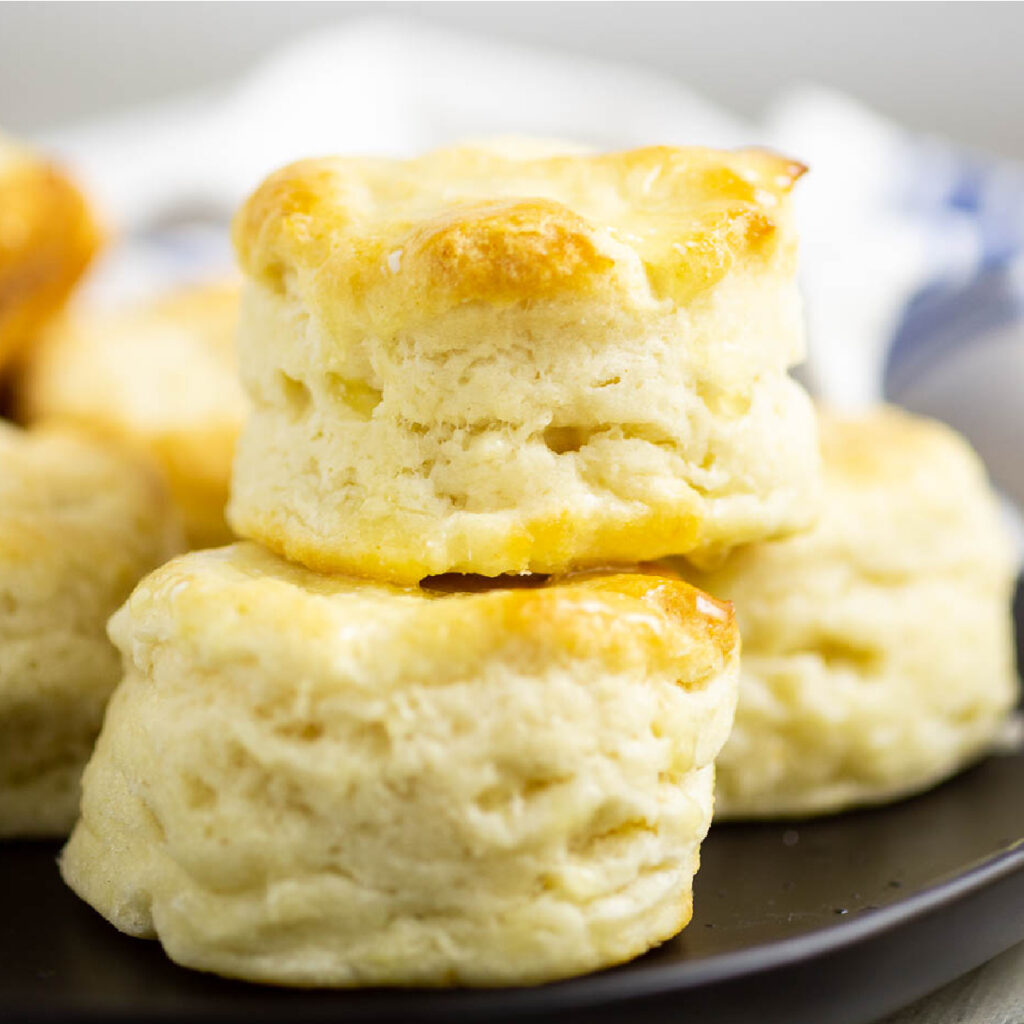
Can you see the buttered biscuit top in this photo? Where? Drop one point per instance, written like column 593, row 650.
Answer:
column 400, row 240
column 475, row 363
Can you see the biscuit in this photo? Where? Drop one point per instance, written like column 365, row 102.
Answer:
column 79, row 526
column 47, row 238
column 878, row 648
column 160, row 377
column 475, row 363
column 315, row 780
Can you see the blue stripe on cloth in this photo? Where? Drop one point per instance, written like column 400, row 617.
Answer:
column 940, row 319
column 957, row 198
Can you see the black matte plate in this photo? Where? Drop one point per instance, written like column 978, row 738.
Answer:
column 831, row 922
column 835, row 921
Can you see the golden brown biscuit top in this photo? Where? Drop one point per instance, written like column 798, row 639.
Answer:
column 44, row 221
column 472, row 224
column 47, row 237
column 228, row 599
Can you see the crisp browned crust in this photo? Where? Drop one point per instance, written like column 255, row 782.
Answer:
column 464, row 225
column 611, row 616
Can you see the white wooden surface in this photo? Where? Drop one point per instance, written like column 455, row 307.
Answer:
column 992, row 994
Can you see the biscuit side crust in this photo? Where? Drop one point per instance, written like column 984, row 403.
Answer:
column 496, row 441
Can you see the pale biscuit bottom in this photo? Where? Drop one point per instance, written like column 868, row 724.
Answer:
column 48, row 725
column 508, row 441
column 848, row 724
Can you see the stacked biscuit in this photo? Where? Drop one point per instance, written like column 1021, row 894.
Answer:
column 437, row 724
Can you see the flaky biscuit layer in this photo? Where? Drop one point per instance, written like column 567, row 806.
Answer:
column 480, row 364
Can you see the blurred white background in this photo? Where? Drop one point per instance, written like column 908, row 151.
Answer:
column 954, row 69
column 912, row 250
